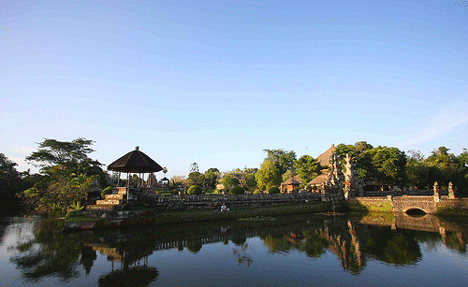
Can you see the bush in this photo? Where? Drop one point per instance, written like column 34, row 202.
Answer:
column 74, row 213
column 107, row 190
column 258, row 191
column 194, row 189
column 237, row 190
column 274, row 190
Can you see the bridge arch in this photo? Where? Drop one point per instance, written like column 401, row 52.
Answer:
column 415, row 211
column 406, row 203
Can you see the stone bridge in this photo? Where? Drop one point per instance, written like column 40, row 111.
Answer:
column 405, row 203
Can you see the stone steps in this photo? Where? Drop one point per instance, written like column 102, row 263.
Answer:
column 114, row 196
column 109, row 202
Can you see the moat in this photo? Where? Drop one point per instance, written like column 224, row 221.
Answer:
column 303, row 250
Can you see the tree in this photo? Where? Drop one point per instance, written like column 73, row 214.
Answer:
column 194, row 167
column 284, row 160
column 243, row 177
column 211, row 177
column 388, row 165
column 357, row 152
column 307, row 168
column 417, row 171
column 55, row 156
column 445, row 167
column 268, row 175
column 196, row 178
column 67, row 174
column 195, row 190
column 11, row 181
column 237, row 190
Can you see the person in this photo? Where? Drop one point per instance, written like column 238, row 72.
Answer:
column 223, row 207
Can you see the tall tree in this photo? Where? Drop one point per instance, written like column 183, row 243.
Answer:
column 67, row 174
column 284, row 160
column 388, row 165
column 11, row 181
column 55, row 156
column 269, row 175
column 417, row 171
column 212, row 175
column 307, row 168
column 245, row 178
column 357, row 152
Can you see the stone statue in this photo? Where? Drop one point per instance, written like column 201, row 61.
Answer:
column 349, row 178
column 436, row 192
column 451, row 191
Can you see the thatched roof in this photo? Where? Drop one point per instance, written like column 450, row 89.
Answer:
column 324, row 158
column 135, row 161
column 293, row 180
column 323, row 178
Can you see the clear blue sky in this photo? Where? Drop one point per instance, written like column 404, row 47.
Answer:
column 216, row 82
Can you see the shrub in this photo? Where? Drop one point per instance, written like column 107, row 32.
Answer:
column 274, row 190
column 107, row 190
column 257, row 191
column 194, row 189
column 74, row 213
column 237, row 190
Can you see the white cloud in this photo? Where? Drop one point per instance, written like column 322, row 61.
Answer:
column 448, row 120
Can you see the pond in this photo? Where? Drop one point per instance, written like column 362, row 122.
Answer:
column 306, row 250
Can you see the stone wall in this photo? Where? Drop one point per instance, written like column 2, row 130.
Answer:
column 215, row 201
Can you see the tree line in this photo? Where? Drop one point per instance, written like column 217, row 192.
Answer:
column 67, row 172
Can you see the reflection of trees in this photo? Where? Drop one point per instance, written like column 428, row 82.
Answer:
column 242, row 256
column 133, row 276
column 395, row 248
column 194, row 247
column 314, row 245
column 48, row 254
column 277, row 243
column 52, row 253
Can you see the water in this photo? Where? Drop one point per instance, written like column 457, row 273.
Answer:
column 312, row 250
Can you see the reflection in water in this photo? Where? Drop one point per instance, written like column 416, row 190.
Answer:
column 242, row 256
column 393, row 240
column 134, row 276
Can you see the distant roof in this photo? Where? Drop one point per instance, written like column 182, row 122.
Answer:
column 295, row 180
column 323, row 178
column 135, row 161
column 324, row 158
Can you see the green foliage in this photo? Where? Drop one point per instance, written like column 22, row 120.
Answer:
column 284, row 160
column 107, row 190
column 55, row 156
column 195, row 178
column 357, row 151
column 195, row 190
column 211, row 177
column 269, row 175
column 244, row 177
column 307, row 168
column 387, row 165
column 68, row 173
column 274, row 190
column 74, row 213
column 237, row 190
column 11, row 181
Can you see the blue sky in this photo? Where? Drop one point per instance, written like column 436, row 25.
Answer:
column 216, row 82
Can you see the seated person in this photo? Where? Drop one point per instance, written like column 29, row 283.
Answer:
column 224, row 208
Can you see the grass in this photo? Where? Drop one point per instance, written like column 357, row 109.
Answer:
column 380, row 206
